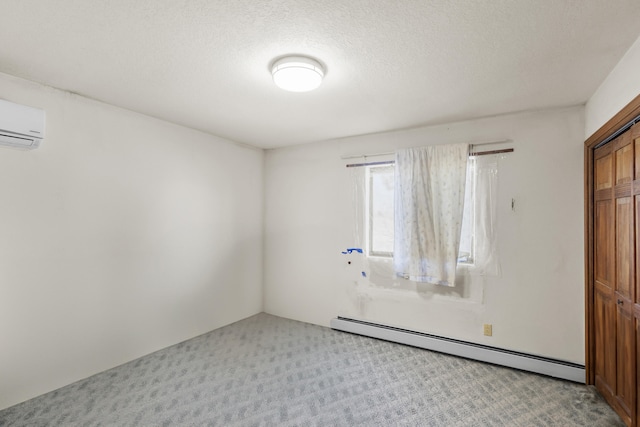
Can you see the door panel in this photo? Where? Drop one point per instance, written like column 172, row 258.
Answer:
column 603, row 171
column 605, row 342
column 625, row 351
column 624, row 243
column 624, row 164
column 603, row 243
column 615, row 237
column 614, row 273
column 637, row 332
column 636, row 295
column 604, row 273
column 624, row 341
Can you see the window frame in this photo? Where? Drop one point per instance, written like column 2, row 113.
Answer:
column 368, row 217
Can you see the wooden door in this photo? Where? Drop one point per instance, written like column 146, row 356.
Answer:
column 625, row 275
column 612, row 301
column 616, row 225
column 633, row 300
column 604, row 272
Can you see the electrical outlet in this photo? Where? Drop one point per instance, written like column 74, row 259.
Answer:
column 488, row 329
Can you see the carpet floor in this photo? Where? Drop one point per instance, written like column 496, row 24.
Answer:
column 270, row 371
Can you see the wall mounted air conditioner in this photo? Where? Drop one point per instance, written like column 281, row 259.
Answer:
column 21, row 127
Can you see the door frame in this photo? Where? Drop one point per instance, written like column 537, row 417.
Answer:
column 622, row 118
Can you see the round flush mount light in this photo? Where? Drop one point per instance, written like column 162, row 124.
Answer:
column 297, row 73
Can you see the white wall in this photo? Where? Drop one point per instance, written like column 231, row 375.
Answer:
column 536, row 306
column 620, row 87
column 120, row 236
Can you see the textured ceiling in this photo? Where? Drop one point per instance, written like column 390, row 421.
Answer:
column 391, row 64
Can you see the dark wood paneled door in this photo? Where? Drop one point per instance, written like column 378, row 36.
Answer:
column 631, row 302
column 616, row 228
column 604, row 275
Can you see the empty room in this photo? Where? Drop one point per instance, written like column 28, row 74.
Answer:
column 302, row 213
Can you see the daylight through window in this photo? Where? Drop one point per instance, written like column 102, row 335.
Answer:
column 380, row 212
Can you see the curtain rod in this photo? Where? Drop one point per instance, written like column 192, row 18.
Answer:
column 619, row 132
column 391, row 162
column 501, row 141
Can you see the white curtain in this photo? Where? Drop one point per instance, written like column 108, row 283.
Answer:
column 486, row 232
column 429, row 201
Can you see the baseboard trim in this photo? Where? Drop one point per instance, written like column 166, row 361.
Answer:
column 512, row 359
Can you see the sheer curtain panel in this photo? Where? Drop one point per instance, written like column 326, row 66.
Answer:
column 429, row 201
column 486, row 214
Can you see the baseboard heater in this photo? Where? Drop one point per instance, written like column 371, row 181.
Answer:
column 512, row 359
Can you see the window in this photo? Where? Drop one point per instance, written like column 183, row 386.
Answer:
column 379, row 213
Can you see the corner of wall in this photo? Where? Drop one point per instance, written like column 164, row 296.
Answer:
column 616, row 91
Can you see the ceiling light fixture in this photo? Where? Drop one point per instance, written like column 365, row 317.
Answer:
column 297, row 73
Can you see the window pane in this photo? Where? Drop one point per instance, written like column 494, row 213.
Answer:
column 381, row 210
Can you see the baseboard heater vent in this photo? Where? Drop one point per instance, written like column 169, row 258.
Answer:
column 526, row 362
